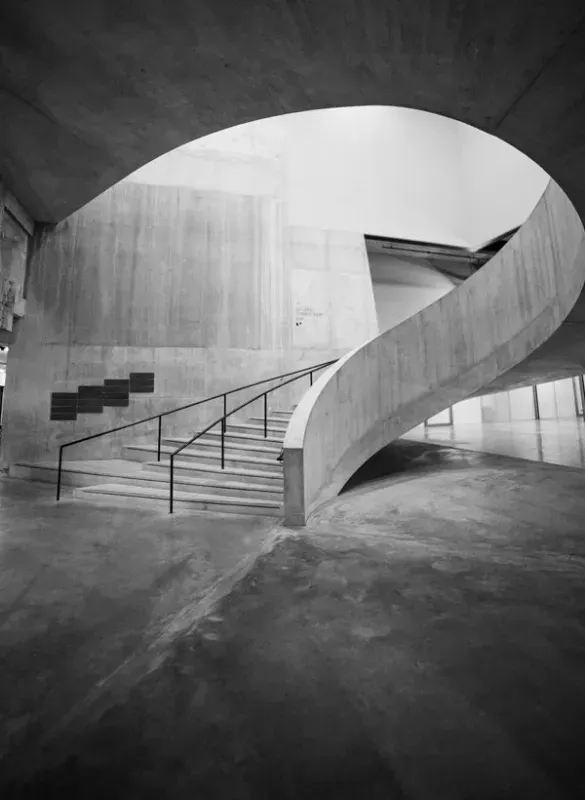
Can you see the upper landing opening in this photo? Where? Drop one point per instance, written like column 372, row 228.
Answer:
column 383, row 171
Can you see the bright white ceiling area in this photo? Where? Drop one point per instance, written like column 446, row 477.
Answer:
column 386, row 171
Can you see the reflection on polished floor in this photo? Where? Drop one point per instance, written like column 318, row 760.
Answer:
column 552, row 441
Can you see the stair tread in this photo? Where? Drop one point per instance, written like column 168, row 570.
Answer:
column 231, row 445
column 114, row 466
column 191, row 497
column 260, row 428
column 194, row 466
column 182, row 479
column 273, row 420
column 249, row 437
column 120, row 468
column 168, row 450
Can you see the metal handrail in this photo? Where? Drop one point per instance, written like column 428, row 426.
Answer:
column 174, row 411
column 309, row 371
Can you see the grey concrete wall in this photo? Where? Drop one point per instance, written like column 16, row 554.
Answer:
column 14, row 234
column 208, row 290
column 438, row 357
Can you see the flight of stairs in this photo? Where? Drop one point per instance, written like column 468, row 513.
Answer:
column 250, row 483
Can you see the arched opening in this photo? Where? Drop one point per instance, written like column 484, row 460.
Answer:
column 251, row 252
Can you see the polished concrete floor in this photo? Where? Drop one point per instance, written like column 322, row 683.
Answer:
column 423, row 637
column 552, row 441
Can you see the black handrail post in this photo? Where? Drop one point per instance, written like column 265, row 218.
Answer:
column 223, row 424
column 265, row 415
column 536, row 403
column 311, row 378
column 159, row 437
column 59, row 472
column 171, row 483
column 223, row 445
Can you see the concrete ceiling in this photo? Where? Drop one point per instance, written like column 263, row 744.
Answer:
column 91, row 91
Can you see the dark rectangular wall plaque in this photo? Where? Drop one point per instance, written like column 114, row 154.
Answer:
column 63, row 406
column 116, row 392
column 90, row 399
column 142, row 382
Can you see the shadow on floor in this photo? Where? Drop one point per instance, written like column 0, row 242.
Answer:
column 407, row 458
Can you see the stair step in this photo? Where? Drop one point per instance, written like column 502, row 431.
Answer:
column 77, row 473
column 132, row 473
column 251, row 446
column 242, row 437
column 139, row 452
column 252, row 429
column 218, row 486
column 234, row 474
column 210, row 486
column 214, row 446
column 273, row 422
column 108, row 492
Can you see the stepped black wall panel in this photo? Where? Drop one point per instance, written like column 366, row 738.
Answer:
column 142, row 382
column 90, row 400
column 116, row 392
column 63, row 406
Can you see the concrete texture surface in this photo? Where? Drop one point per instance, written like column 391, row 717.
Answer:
column 203, row 288
column 92, row 96
column 423, row 639
column 436, row 358
column 84, row 588
column 89, row 97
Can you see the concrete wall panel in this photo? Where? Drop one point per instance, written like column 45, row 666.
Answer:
column 203, row 288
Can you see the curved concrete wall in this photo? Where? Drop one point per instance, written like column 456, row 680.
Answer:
column 436, row 358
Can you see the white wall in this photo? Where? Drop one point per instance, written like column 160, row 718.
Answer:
column 376, row 170
column 502, row 185
column 467, row 411
column 215, row 169
column 402, row 287
column 327, row 269
column 388, row 171
column 521, row 403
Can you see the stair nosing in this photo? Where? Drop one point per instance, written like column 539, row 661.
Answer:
column 213, row 469
column 259, row 428
column 235, row 434
column 231, row 445
column 169, row 450
column 157, row 477
column 192, row 497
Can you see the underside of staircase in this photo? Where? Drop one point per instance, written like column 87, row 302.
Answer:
column 250, row 483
